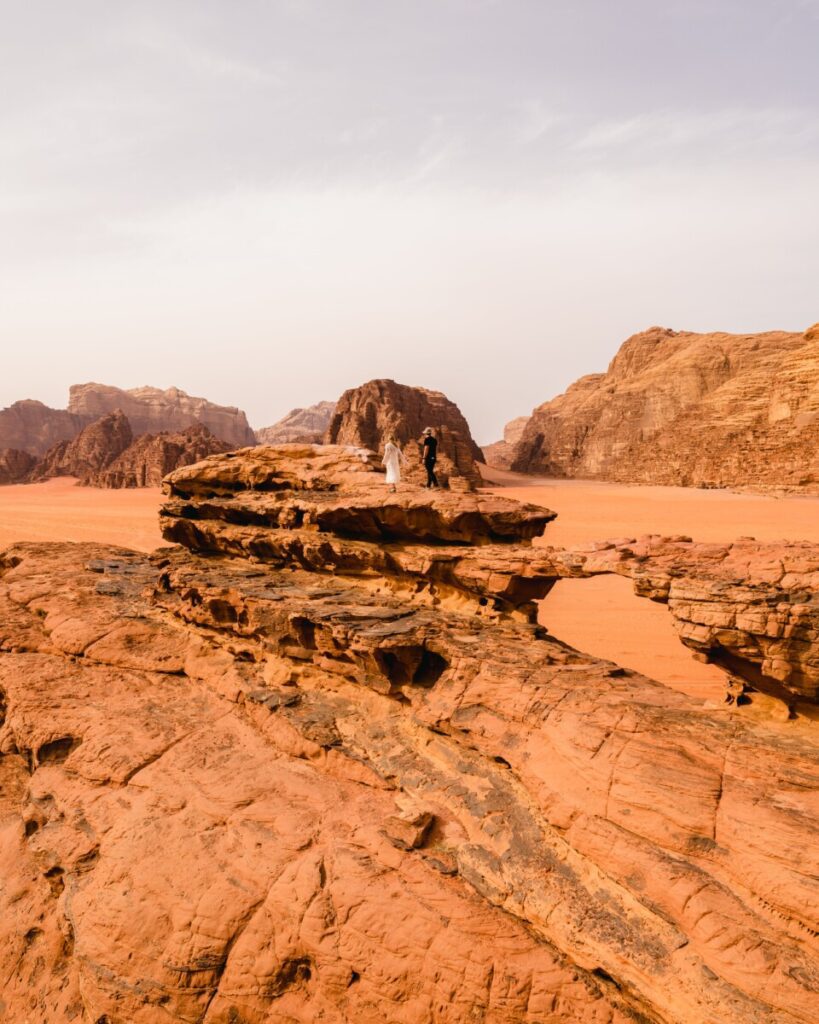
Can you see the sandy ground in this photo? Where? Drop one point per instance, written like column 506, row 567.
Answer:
column 601, row 616
column 59, row 510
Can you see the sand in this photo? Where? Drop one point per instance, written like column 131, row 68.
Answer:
column 601, row 616
column 59, row 510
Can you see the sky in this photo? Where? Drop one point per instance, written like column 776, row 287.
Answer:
column 266, row 202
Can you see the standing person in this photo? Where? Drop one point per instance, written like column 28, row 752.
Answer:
column 393, row 459
column 430, row 449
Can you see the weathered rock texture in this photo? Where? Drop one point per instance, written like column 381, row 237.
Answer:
column 94, row 448
column 690, row 409
column 35, row 428
column 299, row 426
column 501, row 454
column 15, row 465
column 234, row 790
column 105, row 454
column 32, row 427
column 366, row 416
column 150, row 410
column 150, row 457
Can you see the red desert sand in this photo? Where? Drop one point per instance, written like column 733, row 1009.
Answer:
column 601, row 616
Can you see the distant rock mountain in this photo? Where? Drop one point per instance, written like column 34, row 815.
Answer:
column 367, row 415
column 151, row 410
column 688, row 409
column 15, row 465
column 94, row 448
column 302, row 426
column 32, row 427
column 151, row 457
column 502, row 453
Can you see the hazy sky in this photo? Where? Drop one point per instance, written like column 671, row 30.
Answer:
column 268, row 201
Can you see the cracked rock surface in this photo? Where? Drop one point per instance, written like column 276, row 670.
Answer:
column 236, row 790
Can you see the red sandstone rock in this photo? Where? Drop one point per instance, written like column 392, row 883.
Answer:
column 366, row 416
column 15, row 465
column 691, row 409
column 299, row 426
column 92, row 450
column 234, row 791
column 150, row 410
column 149, row 459
column 501, row 454
column 32, row 427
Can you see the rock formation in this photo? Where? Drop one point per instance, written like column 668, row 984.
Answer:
column 691, row 409
column 94, row 448
column 299, row 426
column 15, row 465
column 150, row 410
column 35, row 428
column 327, row 769
column 501, row 454
column 105, row 454
column 367, row 415
column 32, row 427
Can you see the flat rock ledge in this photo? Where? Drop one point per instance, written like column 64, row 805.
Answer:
column 245, row 791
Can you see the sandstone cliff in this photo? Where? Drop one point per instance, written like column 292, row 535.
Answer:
column 329, row 769
column 691, row 409
column 32, row 427
column 150, row 410
column 15, row 465
column 367, row 415
column 90, row 451
column 150, row 457
column 106, row 454
column 301, row 426
column 501, row 454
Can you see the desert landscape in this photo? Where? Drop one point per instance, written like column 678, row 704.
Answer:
column 409, row 513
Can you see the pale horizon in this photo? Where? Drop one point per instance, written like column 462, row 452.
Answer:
column 267, row 205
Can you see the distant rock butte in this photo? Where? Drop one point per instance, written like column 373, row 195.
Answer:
column 688, row 409
column 367, row 415
column 502, row 453
column 150, row 410
column 320, row 763
column 299, row 426
column 106, row 454
column 32, row 427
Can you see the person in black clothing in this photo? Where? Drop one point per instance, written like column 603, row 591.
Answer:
column 430, row 450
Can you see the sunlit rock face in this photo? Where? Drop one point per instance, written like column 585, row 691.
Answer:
column 676, row 407
column 368, row 415
column 318, row 763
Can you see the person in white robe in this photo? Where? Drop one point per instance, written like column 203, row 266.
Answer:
column 393, row 460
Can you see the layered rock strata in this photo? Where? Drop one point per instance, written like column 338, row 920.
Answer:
column 94, row 448
column 245, row 792
column 150, row 410
column 150, row 457
column 367, row 416
column 299, row 426
column 692, row 409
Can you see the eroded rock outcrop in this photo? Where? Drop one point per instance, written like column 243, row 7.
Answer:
column 299, row 426
column 150, row 457
column 92, row 450
column 15, row 465
column 502, row 453
column 273, row 788
column 150, row 410
column 366, row 416
column 691, row 409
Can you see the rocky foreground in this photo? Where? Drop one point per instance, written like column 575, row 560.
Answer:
column 320, row 763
